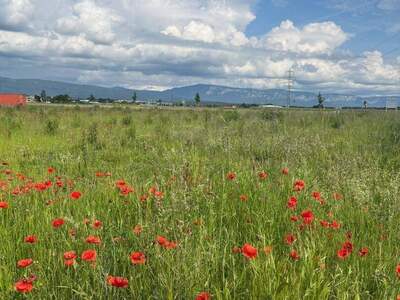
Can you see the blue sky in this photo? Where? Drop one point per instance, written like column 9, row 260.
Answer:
column 332, row 45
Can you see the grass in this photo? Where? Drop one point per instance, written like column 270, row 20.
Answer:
column 187, row 155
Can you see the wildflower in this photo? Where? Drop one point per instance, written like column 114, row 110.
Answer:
column 89, row 255
column 398, row 270
column 30, row 239
column 203, row 296
column 294, row 255
column 23, row 263
column 50, row 170
column 316, row 195
column 3, row 204
column 343, row 253
column 348, row 246
column 70, row 255
column 249, row 251
column 231, row 176
column 290, row 239
column 307, row 216
column 299, row 185
column 335, row 225
column 292, row 203
column 144, row 198
column 171, row 245
column 119, row 282
column 57, row 223
column 285, row 171
column 91, row 239
column 23, row 286
column 262, row 175
column 244, row 198
column 97, row 224
column 324, row 223
column 363, row 251
column 161, row 240
column 294, row 218
column 159, row 194
column 69, row 262
column 138, row 258
column 75, row 195
column 137, row 230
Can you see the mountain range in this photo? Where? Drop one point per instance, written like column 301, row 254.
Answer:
column 208, row 93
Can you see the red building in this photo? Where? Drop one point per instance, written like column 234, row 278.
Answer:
column 12, row 100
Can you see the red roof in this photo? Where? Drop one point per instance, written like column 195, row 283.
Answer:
column 12, row 99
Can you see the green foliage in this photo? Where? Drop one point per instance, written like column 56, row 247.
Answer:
column 51, row 126
column 231, row 115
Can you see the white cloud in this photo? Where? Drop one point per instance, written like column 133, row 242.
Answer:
column 15, row 14
column 317, row 38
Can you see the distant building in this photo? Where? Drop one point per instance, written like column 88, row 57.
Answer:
column 12, row 100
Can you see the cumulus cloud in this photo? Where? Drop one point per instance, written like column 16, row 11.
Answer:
column 159, row 44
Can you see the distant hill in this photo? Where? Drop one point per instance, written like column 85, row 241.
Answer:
column 208, row 93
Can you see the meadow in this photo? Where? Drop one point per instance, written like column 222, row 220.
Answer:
column 130, row 203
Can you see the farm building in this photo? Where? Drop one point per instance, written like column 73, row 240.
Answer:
column 12, row 99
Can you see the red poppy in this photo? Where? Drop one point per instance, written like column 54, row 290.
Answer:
column 31, row 239
column 343, row 253
column 138, row 258
column 231, row 176
column 335, row 225
column 76, row 195
column 324, row 223
column 91, row 239
column 289, row 239
column 263, row 175
column 307, row 216
column 316, row 195
column 23, row 263
column 161, row 240
column 285, row 171
column 292, row 203
column 57, row 223
column 244, row 198
column 97, row 224
column 119, row 282
column 398, row 270
column 69, row 262
column 299, row 185
column 203, row 296
column 89, row 255
column 294, row 218
column 363, row 252
column 70, row 255
column 137, row 230
column 294, row 255
column 249, row 251
column 50, row 170
column 23, row 286
column 3, row 204
column 159, row 194
column 171, row 245
column 348, row 246
column 143, row 198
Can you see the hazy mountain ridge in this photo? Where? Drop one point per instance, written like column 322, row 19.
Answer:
column 208, row 93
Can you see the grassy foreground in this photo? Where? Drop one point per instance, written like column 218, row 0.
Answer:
column 209, row 182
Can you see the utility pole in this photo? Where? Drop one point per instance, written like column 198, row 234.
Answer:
column 290, row 86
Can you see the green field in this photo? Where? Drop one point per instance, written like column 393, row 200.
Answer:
column 181, row 160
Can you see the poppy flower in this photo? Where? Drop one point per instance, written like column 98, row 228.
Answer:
column 243, row 198
column 294, row 255
column 30, row 239
column 294, row 218
column 335, row 225
column 161, row 240
column 137, row 229
column 398, row 270
column 324, row 223
column 143, row 198
column 50, row 170
column 203, row 296
column 138, row 258
column 249, row 251
column 23, row 263
column 263, row 175
column 57, row 223
column 91, row 239
column 89, row 255
column 97, row 224
column 76, row 195
column 171, row 245
column 285, row 171
column 290, row 239
column 119, row 282
column 3, row 204
column 292, row 203
column 70, row 255
column 231, row 176
column 23, row 286
column 307, row 216
column 159, row 194
column 343, row 253
column 363, row 251
column 316, row 195
column 69, row 262
column 348, row 246
column 299, row 185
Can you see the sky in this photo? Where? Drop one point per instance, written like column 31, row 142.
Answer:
column 335, row 46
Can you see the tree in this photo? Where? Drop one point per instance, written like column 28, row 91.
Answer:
column 365, row 104
column 61, row 99
column 320, row 101
column 43, row 96
column 197, row 99
column 92, row 98
column 134, row 97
